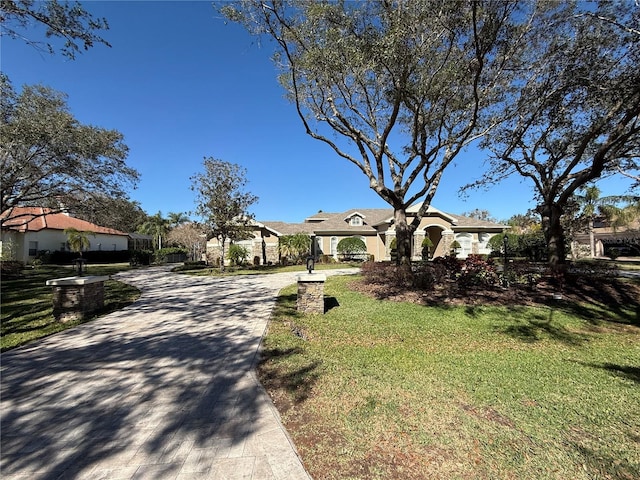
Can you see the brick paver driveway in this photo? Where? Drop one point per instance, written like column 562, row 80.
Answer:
column 163, row 389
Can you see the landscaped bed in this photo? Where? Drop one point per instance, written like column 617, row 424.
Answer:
column 395, row 389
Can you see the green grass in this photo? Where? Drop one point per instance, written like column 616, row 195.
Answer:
column 375, row 389
column 27, row 303
column 261, row 269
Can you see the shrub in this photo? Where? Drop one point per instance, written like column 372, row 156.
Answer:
column 451, row 265
column 427, row 245
column 426, row 275
column 386, row 273
column 475, row 270
column 613, row 253
column 454, row 247
column 140, row 257
column 195, row 265
column 294, row 248
column 171, row 255
column 393, row 250
column 352, row 248
column 238, row 254
column 11, row 268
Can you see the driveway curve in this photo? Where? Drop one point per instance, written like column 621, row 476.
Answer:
column 163, row 389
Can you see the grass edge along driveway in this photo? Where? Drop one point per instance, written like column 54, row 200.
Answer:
column 381, row 390
column 27, row 303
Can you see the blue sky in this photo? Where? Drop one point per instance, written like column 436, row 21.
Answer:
column 181, row 85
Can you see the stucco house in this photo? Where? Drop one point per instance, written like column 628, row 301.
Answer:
column 626, row 240
column 29, row 230
column 376, row 228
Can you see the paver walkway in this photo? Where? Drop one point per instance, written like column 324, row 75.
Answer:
column 164, row 389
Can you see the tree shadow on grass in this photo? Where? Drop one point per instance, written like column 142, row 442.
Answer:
column 603, row 299
column 531, row 326
column 622, row 371
column 276, row 374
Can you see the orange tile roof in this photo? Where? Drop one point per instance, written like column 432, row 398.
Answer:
column 34, row 219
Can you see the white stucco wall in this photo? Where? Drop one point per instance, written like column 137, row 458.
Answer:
column 53, row 240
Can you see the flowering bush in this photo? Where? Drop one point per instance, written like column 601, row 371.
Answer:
column 475, row 270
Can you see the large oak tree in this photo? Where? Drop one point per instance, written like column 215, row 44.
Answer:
column 48, row 158
column 407, row 84
column 577, row 111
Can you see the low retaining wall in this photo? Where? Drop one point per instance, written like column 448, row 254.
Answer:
column 311, row 293
column 76, row 298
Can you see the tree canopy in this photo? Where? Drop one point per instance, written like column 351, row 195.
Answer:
column 49, row 159
column 576, row 113
column 408, row 85
column 67, row 21
column 118, row 213
column 222, row 201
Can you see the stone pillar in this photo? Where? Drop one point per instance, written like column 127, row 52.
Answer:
column 76, row 298
column 311, row 292
column 418, row 237
column 447, row 239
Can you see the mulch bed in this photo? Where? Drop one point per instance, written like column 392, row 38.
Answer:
column 606, row 291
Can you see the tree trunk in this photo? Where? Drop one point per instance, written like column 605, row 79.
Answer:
column 404, row 235
column 222, row 253
column 554, row 235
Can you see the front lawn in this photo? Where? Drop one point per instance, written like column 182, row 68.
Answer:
column 27, row 303
column 376, row 389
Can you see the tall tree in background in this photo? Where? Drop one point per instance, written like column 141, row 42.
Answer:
column 480, row 214
column 407, row 84
column 578, row 108
column 67, row 21
column 118, row 213
column 176, row 219
column 49, row 159
column 222, row 202
column 191, row 236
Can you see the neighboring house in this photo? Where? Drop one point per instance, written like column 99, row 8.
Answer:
column 376, row 228
column 29, row 230
column 625, row 239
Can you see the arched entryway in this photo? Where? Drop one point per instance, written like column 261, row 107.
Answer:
column 434, row 233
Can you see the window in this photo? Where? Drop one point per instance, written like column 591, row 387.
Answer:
column 334, row 245
column 63, row 246
column 33, row 249
column 464, row 239
column 355, row 221
column 318, row 246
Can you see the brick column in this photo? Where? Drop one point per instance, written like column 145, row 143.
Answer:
column 76, row 298
column 311, row 293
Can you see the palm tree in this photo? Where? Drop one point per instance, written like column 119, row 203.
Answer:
column 157, row 226
column 177, row 219
column 77, row 241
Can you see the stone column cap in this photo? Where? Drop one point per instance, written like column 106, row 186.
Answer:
column 312, row 277
column 77, row 280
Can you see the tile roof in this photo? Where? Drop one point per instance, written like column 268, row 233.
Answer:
column 34, row 219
